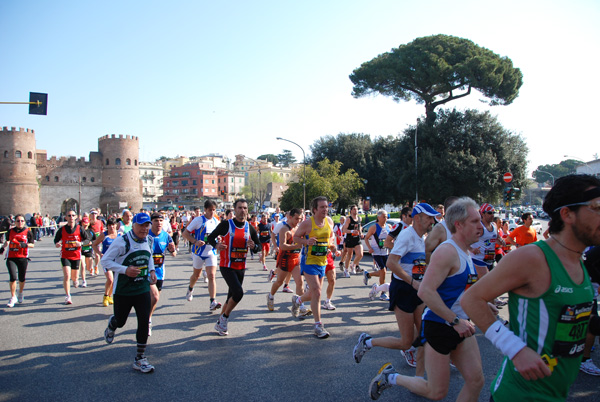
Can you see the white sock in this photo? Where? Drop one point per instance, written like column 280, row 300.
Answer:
column 392, row 378
column 383, row 288
column 368, row 343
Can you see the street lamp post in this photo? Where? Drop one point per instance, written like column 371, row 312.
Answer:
column 304, row 174
column 582, row 161
column 551, row 175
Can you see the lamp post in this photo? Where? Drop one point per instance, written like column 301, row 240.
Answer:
column 551, row 175
column 582, row 161
column 304, row 174
column 416, row 164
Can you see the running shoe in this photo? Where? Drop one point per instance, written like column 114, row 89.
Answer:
column 411, row 356
column 205, row 276
column 221, row 326
column 189, row 295
column 295, row 305
column 346, row 274
column 265, row 267
column 68, row 300
column 304, row 312
column 366, row 278
column 589, row 367
column 109, row 334
column 286, row 289
column 271, row 276
column 384, row 297
column 105, row 301
column 373, row 292
column 141, row 364
column 380, row 382
column 358, row 269
column 110, row 300
column 270, row 302
column 20, row 297
column 321, row 332
column 214, row 305
column 11, row 302
column 76, row 283
column 328, row 305
column 84, row 284
column 149, row 328
column 361, row 347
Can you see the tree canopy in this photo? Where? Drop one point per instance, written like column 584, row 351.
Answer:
column 286, row 158
column 437, row 69
column 544, row 173
column 269, row 158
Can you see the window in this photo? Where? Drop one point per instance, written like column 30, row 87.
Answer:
column 92, row 179
column 84, row 179
column 6, row 154
column 118, row 161
column 17, row 154
column 184, row 182
column 55, row 178
column 213, row 190
column 213, row 182
column 175, row 183
column 128, row 162
column 47, row 178
column 193, row 182
column 30, row 155
column 107, row 163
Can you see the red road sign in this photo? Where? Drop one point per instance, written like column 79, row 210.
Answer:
column 508, row 177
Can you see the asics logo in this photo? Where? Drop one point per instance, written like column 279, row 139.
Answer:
column 561, row 289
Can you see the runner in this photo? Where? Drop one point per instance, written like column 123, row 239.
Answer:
column 407, row 263
column 237, row 236
column 275, row 250
column 446, row 328
column 86, row 251
column 69, row 239
column 125, row 224
column 97, row 227
column 352, row 230
column 523, row 234
column 339, row 239
column 162, row 242
column 484, row 250
column 405, row 221
column 316, row 234
column 19, row 240
column 440, row 233
column 203, row 254
column 549, row 298
column 130, row 258
column 105, row 240
column 254, row 222
column 264, row 237
column 375, row 239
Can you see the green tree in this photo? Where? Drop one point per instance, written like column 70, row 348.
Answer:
column 286, row 158
column 269, row 158
column 557, row 170
column 326, row 180
column 434, row 70
column 463, row 154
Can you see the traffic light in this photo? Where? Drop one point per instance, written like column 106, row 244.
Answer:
column 507, row 194
column 516, row 193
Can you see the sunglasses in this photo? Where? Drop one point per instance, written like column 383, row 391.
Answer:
column 489, row 212
column 71, row 216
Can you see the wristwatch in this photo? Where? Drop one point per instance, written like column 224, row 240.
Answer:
column 454, row 322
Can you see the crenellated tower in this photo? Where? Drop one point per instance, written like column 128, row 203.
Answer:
column 120, row 172
column 18, row 174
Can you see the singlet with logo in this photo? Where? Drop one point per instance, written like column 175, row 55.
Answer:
column 264, row 232
column 553, row 325
column 69, row 249
column 107, row 241
column 411, row 249
column 486, row 245
column 236, row 239
column 317, row 253
column 201, row 226
column 453, row 287
column 352, row 239
column 158, row 252
column 376, row 242
column 134, row 252
column 15, row 238
column 287, row 259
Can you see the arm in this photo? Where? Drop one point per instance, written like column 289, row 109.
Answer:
column 393, row 263
column 253, row 243
column 221, row 230
column 108, row 260
column 370, row 233
column 186, row 234
column 96, row 244
column 302, row 231
column 391, row 237
column 345, row 227
column 434, row 239
column 285, row 243
column 30, row 240
column 511, row 237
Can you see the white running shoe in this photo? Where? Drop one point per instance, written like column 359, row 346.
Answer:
column 411, row 356
column 76, row 283
column 143, row 365
column 221, row 326
column 361, row 347
column 68, row 300
column 380, row 382
column 189, row 295
column 20, row 297
column 321, row 332
column 270, row 302
column 304, row 312
column 295, row 305
column 11, row 302
column 265, row 267
column 271, row 276
column 346, row 274
column 373, row 292
column 589, row 367
column 205, row 276
column 214, row 305
column 328, row 305
column 286, row 289
column 366, row 278
column 84, row 284
column 384, row 297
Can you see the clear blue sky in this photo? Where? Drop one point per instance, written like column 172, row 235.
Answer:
column 195, row 77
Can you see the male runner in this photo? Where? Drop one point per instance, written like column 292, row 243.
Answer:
column 484, row 250
column 440, row 233
column 405, row 221
column 130, row 258
column 523, row 234
column 264, row 237
column 97, row 227
column 203, row 254
column 446, row 328
column 549, row 298
column 125, row 224
column 375, row 240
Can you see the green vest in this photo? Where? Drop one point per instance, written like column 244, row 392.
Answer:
column 554, row 325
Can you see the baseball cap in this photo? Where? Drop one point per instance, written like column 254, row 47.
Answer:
column 93, row 211
column 424, row 208
column 485, row 207
column 141, row 218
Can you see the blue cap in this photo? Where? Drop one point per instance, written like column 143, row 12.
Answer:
column 141, row 218
column 424, row 208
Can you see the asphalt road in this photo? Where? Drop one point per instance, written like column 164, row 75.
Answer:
column 50, row 351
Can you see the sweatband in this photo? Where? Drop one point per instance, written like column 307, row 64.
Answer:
column 504, row 339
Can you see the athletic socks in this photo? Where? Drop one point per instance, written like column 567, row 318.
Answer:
column 141, row 349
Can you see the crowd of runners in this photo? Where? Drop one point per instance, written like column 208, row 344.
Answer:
column 450, row 267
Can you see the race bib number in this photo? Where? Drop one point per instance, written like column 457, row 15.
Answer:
column 264, row 233
column 14, row 246
column 238, row 254
column 159, row 259
column 380, row 243
column 418, row 270
column 86, row 249
column 471, row 279
column 319, row 249
column 71, row 245
column 489, row 255
column 569, row 338
column 143, row 272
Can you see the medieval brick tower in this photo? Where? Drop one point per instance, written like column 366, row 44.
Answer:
column 120, row 172
column 18, row 173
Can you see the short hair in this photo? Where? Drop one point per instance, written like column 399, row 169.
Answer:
column 382, row 212
column 227, row 212
column 525, row 216
column 314, row 204
column 352, row 206
column 209, row 204
column 405, row 211
column 238, row 201
column 295, row 211
column 156, row 215
column 459, row 212
column 566, row 190
column 111, row 221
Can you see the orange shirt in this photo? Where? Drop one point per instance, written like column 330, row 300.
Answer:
column 523, row 235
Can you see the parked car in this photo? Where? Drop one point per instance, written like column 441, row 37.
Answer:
column 391, row 222
column 537, row 225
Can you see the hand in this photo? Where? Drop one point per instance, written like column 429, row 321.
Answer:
column 23, row 244
column 530, row 365
column 153, row 277
column 311, row 242
column 58, row 245
column 338, row 253
column 199, row 243
column 371, row 250
column 132, row 271
column 77, row 244
column 415, row 284
column 171, row 247
column 221, row 246
column 464, row 328
column 251, row 244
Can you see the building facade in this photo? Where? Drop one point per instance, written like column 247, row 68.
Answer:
column 152, row 176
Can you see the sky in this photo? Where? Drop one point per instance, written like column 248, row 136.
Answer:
column 197, row 77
